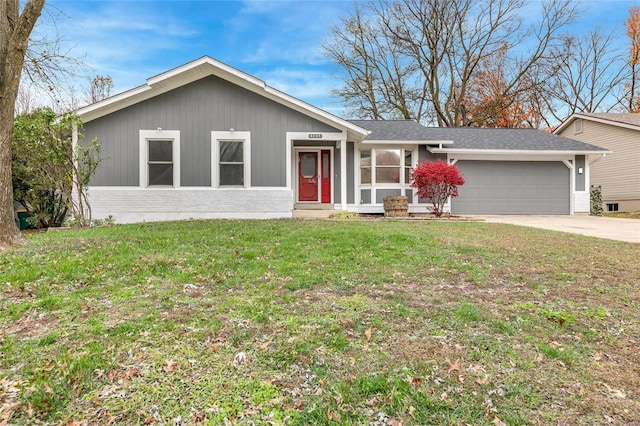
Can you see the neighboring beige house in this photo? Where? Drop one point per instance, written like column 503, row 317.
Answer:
column 617, row 173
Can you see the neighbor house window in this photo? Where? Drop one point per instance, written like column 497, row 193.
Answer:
column 612, row 207
column 577, row 126
column 159, row 158
column 231, row 159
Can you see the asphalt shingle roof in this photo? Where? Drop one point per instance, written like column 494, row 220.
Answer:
column 471, row 137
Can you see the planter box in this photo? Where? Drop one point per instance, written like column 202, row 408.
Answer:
column 396, row 206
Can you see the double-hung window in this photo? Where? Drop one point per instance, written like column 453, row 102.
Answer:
column 159, row 158
column 231, row 159
column 231, row 163
column 160, row 164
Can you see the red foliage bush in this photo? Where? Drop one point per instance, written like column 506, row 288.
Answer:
column 437, row 181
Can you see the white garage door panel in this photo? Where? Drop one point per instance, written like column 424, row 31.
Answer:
column 512, row 187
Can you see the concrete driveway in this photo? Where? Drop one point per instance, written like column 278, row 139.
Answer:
column 593, row 226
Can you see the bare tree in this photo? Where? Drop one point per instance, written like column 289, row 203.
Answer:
column 15, row 29
column 441, row 45
column 585, row 75
column 378, row 77
column 100, row 87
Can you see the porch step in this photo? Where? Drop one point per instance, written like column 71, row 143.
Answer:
column 313, row 214
column 312, row 206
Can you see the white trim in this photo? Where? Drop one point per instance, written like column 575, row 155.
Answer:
column 512, row 157
column 374, row 186
column 158, row 135
column 231, row 136
column 530, row 152
column 408, row 142
column 572, row 183
column 290, row 153
column 343, row 174
column 318, row 150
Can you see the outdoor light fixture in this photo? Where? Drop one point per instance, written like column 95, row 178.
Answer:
column 579, row 170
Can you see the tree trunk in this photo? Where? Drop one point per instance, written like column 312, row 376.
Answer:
column 15, row 29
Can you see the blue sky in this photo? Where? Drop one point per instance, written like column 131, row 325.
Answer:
column 276, row 41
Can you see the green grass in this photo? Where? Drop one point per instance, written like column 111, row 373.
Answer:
column 319, row 322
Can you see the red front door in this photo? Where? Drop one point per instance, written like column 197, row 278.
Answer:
column 325, row 178
column 308, row 176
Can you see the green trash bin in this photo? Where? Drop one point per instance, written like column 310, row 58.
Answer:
column 23, row 218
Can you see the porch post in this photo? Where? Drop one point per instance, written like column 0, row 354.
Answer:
column 343, row 175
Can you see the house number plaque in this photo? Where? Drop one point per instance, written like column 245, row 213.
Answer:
column 315, row 135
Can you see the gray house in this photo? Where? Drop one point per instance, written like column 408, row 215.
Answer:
column 205, row 140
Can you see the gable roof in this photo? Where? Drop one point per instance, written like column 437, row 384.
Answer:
column 627, row 120
column 204, row 67
column 473, row 139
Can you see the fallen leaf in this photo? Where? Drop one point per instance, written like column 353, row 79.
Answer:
column 265, row 346
column 333, row 416
column 170, row 366
column 367, row 334
column 616, row 393
column 483, row 380
column 453, row 366
column 48, row 389
column 412, row 410
column 239, row 359
column 394, row 422
column 498, row 422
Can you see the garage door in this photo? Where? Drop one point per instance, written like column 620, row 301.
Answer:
column 512, row 187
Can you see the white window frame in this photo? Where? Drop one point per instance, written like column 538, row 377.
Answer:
column 373, row 186
column 159, row 135
column 230, row 136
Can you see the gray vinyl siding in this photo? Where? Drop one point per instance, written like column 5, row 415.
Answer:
column 350, row 172
column 426, row 155
column 580, row 177
column 196, row 109
column 618, row 173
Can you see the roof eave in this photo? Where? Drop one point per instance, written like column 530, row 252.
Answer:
column 515, row 151
column 407, row 142
column 201, row 68
column 610, row 122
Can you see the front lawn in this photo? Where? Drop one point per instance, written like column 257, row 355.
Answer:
column 319, row 322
